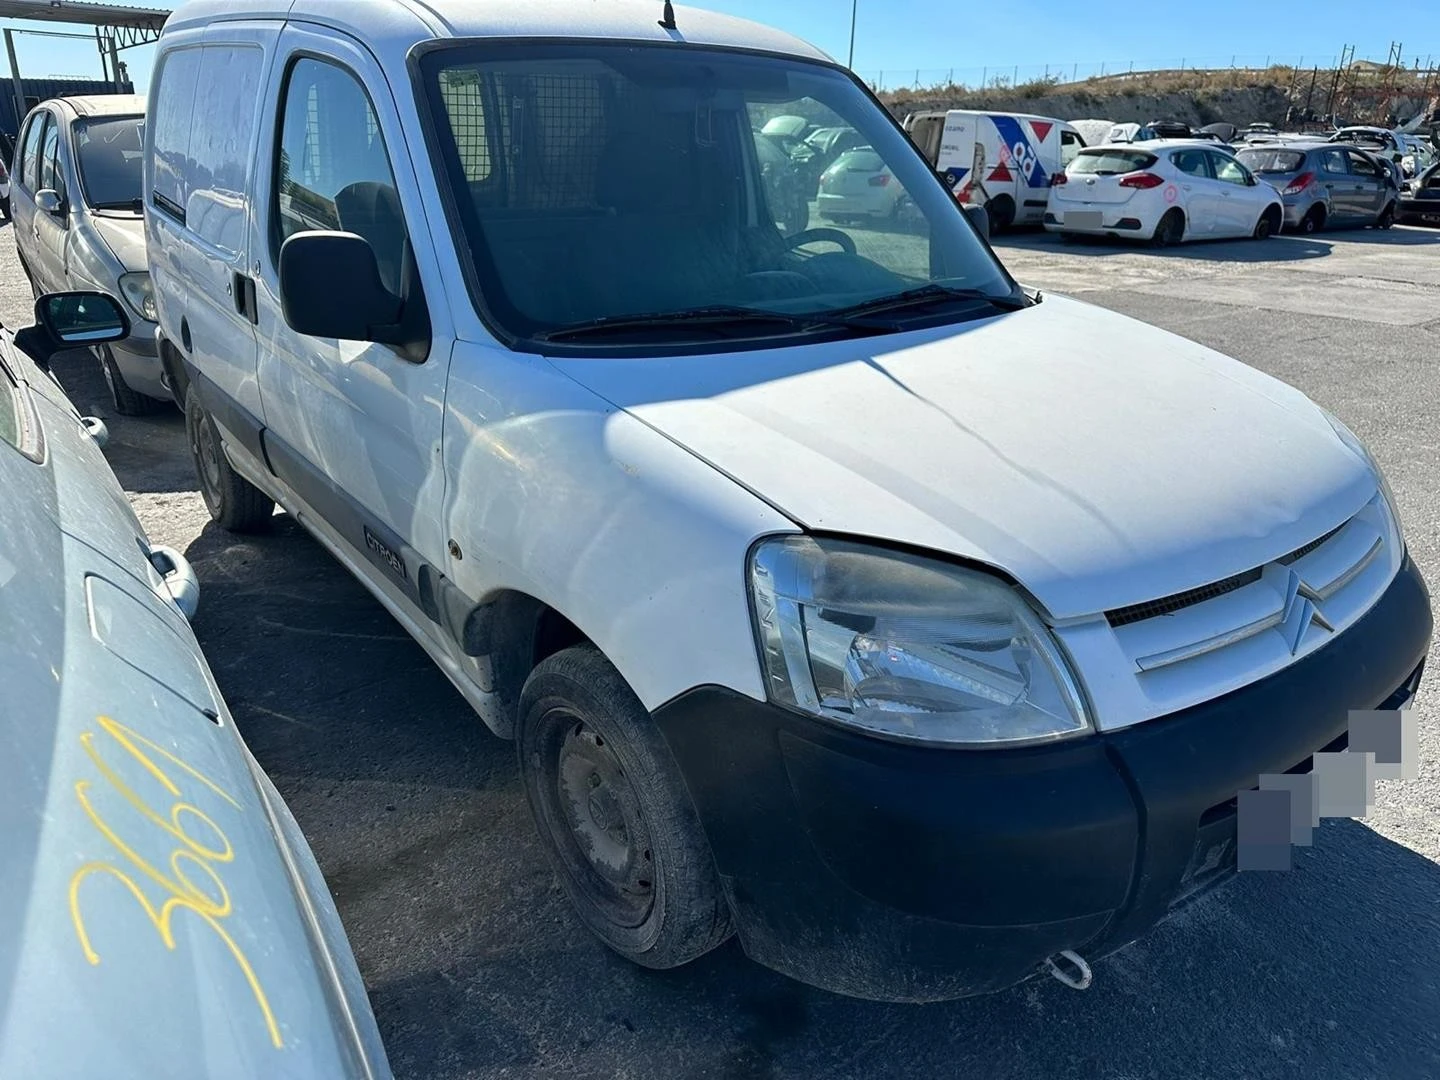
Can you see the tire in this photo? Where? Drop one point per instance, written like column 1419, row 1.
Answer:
column 1313, row 221
column 128, row 402
column 1386, row 219
column 1170, row 230
column 1265, row 227
column 5, row 208
column 631, row 855
column 234, row 503
column 1002, row 213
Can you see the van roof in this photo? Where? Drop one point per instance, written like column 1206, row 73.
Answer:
column 1002, row 112
column 387, row 24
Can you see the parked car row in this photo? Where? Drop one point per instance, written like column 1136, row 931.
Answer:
column 719, row 521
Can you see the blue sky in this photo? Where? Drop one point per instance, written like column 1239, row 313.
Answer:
column 934, row 37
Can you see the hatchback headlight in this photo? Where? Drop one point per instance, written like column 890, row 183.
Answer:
column 139, row 293
column 906, row 647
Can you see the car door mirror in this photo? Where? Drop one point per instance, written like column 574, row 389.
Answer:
column 330, row 287
column 82, row 318
column 71, row 320
column 980, row 218
column 50, row 202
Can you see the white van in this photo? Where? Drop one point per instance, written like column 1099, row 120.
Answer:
column 836, row 591
column 1002, row 161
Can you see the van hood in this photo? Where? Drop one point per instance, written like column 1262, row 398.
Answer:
column 125, row 236
column 1098, row 461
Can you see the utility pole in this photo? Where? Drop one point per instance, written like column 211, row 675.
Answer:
column 19, row 87
column 854, row 11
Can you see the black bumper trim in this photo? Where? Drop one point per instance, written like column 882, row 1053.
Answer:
column 905, row 873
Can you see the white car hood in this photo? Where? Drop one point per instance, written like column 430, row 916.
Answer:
column 1097, row 460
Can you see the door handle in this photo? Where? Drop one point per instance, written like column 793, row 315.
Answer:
column 242, row 290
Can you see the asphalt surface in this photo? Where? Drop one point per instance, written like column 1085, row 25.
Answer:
column 476, row 966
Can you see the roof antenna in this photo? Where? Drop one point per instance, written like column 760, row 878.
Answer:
column 668, row 19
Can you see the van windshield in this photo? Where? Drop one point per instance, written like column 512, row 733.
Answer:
column 614, row 186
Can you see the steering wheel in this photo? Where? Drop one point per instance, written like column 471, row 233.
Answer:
column 811, row 236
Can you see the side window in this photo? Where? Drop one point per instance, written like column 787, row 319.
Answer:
column 1333, row 161
column 169, row 130
column 1360, row 165
column 333, row 171
column 30, row 151
column 227, row 92
column 1191, row 162
column 52, row 176
column 1228, row 170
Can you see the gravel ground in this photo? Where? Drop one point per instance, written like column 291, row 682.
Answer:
column 477, row 968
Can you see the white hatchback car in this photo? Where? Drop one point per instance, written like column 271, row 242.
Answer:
column 1164, row 191
column 837, row 591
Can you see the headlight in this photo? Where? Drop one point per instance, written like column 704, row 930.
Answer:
column 139, row 294
column 1351, row 440
column 906, row 647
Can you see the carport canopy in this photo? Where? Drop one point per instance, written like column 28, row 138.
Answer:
column 129, row 25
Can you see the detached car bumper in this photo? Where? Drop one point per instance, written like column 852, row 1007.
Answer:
column 902, row 873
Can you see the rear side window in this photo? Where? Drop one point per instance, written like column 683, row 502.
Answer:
column 1191, row 162
column 1110, row 162
column 1363, row 166
column 170, row 129
column 227, row 94
column 1271, row 161
column 30, row 151
column 333, row 171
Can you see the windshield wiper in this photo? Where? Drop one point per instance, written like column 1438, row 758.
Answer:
column 718, row 316
column 137, row 205
column 924, row 296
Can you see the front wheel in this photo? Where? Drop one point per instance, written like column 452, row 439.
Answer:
column 1266, row 226
column 127, row 401
column 1386, row 219
column 234, row 503
column 614, row 816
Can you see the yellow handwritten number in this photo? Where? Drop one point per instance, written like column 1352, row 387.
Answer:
column 209, row 904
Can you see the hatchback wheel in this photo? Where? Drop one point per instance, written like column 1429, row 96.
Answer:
column 1171, row 229
column 234, row 503
column 1313, row 221
column 614, row 815
column 1387, row 217
column 128, row 402
column 1266, row 226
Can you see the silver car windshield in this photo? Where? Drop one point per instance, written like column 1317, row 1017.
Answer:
column 109, row 155
column 605, row 183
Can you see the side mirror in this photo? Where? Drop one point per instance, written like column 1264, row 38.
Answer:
column 71, row 320
column 330, row 287
column 50, row 202
column 980, row 218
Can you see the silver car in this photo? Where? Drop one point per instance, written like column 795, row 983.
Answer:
column 160, row 912
column 76, row 204
column 1325, row 184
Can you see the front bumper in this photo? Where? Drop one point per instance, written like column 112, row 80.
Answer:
column 911, row 874
column 138, row 359
column 1420, row 211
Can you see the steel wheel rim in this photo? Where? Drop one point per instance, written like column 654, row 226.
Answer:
column 206, row 451
column 598, row 824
